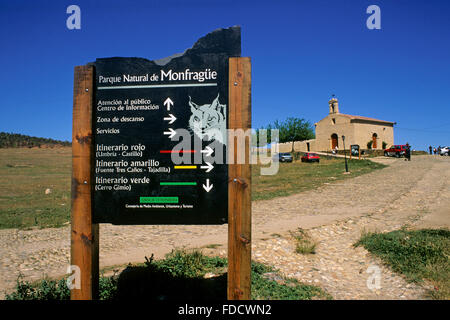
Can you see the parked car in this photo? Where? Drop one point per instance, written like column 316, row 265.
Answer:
column 445, row 151
column 285, row 157
column 310, row 157
column 396, row 151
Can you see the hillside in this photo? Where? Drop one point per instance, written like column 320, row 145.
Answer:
column 15, row 140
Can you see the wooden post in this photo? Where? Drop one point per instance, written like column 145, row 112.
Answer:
column 239, row 185
column 84, row 234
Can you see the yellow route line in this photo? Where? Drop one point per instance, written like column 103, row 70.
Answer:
column 185, row 167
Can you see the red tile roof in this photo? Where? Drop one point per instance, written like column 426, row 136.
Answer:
column 351, row 117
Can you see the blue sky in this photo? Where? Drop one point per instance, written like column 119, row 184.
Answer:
column 301, row 51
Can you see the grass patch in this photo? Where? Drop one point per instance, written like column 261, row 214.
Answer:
column 417, row 254
column 305, row 244
column 182, row 275
column 25, row 174
column 297, row 176
column 267, row 284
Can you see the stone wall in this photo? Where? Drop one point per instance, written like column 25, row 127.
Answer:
column 299, row 146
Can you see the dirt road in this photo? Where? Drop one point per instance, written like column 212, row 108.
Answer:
column 415, row 194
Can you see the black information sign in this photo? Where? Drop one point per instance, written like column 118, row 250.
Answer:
column 354, row 149
column 160, row 135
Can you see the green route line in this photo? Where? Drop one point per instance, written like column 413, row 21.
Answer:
column 178, row 183
column 158, row 199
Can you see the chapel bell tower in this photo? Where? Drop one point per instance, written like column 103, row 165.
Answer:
column 333, row 104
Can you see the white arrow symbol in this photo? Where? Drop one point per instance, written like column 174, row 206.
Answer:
column 208, row 167
column 170, row 133
column 168, row 103
column 208, row 186
column 171, row 118
column 208, row 151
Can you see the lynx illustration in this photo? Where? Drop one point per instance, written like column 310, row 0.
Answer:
column 208, row 121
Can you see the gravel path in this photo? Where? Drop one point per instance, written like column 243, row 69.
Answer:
column 415, row 194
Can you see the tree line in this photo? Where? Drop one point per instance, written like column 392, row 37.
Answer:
column 15, row 140
column 290, row 130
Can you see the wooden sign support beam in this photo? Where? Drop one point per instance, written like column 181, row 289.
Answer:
column 84, row 233
column 239, row 183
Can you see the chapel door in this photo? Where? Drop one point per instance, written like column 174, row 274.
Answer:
column 374, row 141
column 334, row 141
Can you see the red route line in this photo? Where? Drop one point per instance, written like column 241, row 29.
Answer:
column 177, row 151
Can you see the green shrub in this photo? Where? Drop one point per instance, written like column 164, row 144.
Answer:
column 305, row 244
column 369, row 144
column 44, row 290
column 58, row 290
column 184, row 263
column 108, row 287
column 179, row 276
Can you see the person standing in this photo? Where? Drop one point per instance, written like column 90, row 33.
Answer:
column 408, row 152
column 431, row 149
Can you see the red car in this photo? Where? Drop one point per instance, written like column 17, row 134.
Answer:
column 396, row 151
column 310, row 157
